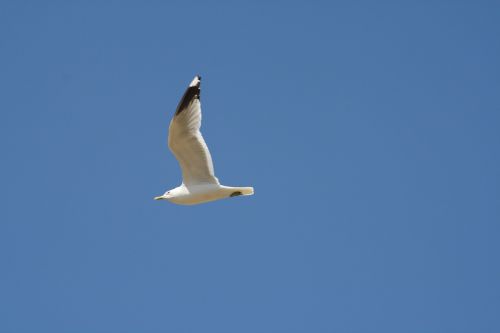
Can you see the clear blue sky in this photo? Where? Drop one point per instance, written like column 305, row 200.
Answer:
column 370, row 131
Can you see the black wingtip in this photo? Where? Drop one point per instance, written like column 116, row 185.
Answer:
column 191, row 93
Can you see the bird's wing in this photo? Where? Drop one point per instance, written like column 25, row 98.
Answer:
column 187, row 143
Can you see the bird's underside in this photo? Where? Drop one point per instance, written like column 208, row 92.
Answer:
column 206, row 193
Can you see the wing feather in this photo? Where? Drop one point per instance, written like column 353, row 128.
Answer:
column 186, row 142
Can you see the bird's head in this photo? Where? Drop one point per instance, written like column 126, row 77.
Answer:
column 166, row 196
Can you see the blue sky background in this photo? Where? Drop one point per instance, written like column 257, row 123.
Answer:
column 370, row 131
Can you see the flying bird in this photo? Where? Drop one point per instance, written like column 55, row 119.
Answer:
column 199, row 183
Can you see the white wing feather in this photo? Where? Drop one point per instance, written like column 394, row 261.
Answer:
column 187, row 144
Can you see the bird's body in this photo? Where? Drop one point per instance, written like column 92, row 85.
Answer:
column 202, row 193
column 199, row 183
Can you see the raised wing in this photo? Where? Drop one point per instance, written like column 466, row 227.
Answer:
column 187, row 143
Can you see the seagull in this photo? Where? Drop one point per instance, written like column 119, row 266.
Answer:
column 199, row 184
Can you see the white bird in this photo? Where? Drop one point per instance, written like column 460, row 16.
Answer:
column 199, row 183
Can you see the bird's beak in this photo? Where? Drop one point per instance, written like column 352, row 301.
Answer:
column 159, row 198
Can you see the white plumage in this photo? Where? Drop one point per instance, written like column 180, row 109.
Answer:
column 199, row 183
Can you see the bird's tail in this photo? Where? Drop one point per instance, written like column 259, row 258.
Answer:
column 236, row 191
column 246, row 190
